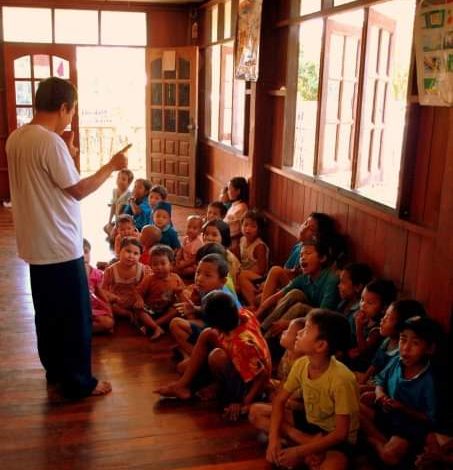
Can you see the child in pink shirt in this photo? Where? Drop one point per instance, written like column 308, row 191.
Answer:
column 191, row 242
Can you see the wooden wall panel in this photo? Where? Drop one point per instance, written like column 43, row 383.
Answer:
column 169, row 28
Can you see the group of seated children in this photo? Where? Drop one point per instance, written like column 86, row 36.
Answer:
column 317, row 353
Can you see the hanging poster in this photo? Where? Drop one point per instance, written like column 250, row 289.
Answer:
column 434, row 52
column 247, row 44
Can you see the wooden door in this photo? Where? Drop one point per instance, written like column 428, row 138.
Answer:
column 25, row 67
column 172, row 121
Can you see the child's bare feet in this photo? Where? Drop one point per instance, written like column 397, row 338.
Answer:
column 102, row 388
column 174, row 390
column 182, row 366
column 208, row 393
column 157, row 333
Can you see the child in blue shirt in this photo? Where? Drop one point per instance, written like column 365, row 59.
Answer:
column 315, row 287
column 138, row 205
column 390, row 327
column 405, row 404
column 366, row 338
column 157, row 193
column 162, row 220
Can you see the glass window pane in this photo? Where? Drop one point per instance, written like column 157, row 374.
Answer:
column 170, row 120
column 170, row 74
column 23, row 93
column 170, row 94
column 227, row 20
column 156, row 94
column 383, row 123
column 23, row 116
column 214, row 23
column 123, row 28
column 156, row 119
column 22, row 67
column 183, row 121
column 309, row 6
column 310, row 34
column 76, row 26
column 60, row 67
column 184, row 94
column 27, row 24
column 41, row 66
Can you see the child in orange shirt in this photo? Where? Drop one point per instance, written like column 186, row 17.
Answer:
column 158, row 292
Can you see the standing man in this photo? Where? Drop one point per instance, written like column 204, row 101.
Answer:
column 45, row 191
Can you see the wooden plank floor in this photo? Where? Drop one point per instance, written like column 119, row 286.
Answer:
column 131, row 428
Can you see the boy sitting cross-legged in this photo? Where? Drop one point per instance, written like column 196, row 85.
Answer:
column 322, row 434
column 236, row 353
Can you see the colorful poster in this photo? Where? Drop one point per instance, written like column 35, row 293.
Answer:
column 434, row 52
column 247, row 44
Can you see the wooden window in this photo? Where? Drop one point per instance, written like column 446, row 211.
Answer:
column 356, row 141
column 225, row 97
column 75, row 26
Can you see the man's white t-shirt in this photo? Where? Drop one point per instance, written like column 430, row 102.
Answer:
column 47, row 218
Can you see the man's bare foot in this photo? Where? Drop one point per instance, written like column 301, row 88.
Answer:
column 102, row 388
column 208, row 393
column 174, row 390
column 158, row 332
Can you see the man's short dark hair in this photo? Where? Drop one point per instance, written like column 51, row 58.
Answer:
column 53, row 92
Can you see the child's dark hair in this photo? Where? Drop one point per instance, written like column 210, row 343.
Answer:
column 86, row 245
column 219, row 205
column 209, row 249
column 219, row 261
column 221, row 311
column 196, row 217
column 425, row 328
column 240, row 183
column 406, row 309
column 384, row 288
column 122, row 218
column 126, row 241
column 128, row 173
column 258, row 218
column 146, row 184
column 333, row 328
column 325, row 223
column 162, row 250
column 159, row 189
column 323, row 248
column 54, row 92
column 222, row 227
column 360, row 273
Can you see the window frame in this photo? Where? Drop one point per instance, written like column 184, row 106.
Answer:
column 233, row 144
column 407, row 150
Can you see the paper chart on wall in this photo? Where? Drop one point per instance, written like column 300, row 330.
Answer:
column 434, row 52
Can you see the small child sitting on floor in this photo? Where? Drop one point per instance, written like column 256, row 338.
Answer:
column 215, row 210
column 149, row 236
column 122, row 278
column 191, row 242
column 138, row 205
column 404, row 411
column 326, row 431
column 162, row 220
column 125, row 228
column 159, row 291
column 102, row 316
column 254, row 255
column 120, row 199
column 236, row 353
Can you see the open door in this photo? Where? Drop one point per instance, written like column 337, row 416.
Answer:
column 172, row 121
column 25, row 67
